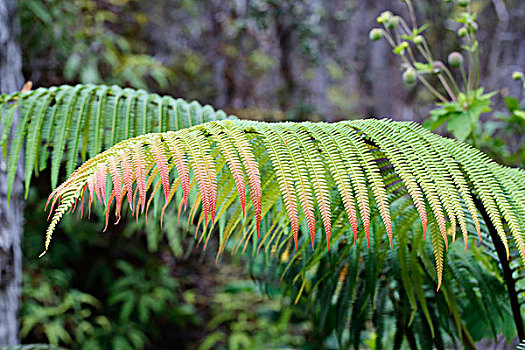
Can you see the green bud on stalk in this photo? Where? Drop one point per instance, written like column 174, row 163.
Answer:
column 409, row 76
column 392, row 22
column 375, row 34
column 455, row 59
column 517, row 75
column 462, row 32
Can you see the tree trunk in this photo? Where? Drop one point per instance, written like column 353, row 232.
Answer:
column 11, row 217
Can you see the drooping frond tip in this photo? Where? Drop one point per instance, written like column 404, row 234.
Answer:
column 363, row 162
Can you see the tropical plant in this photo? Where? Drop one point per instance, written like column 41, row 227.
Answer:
column 52, row 308
column 305, row 158
column 358, row 173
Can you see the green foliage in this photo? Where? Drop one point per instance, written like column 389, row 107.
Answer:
column 67, row 316
column 53, row 310
column 245, row 318
column 60, row 313
column 89, row 42
column 461, row 116
column 140, row 293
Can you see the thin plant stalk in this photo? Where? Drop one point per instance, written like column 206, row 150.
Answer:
column 447, row 87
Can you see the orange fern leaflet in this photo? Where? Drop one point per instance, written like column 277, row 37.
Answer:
column 117, row 182
column 128, row 176
column 178, row 155
column 251, row 166
column 140, row 167
column 157, row 148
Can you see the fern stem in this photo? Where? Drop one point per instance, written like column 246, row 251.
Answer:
column 510, row 282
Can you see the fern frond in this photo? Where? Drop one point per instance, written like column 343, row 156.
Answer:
column 304, row 163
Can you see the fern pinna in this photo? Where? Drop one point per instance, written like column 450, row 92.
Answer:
column 365, row 165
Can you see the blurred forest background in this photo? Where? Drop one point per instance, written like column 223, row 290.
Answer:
column 262, row 59
column 286, row 59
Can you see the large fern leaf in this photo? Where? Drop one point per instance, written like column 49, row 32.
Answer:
column 361, row 163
